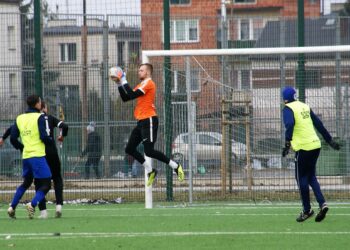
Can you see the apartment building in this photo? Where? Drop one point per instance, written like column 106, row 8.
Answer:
column 10, row 60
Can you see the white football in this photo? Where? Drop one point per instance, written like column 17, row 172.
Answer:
column 115, row 72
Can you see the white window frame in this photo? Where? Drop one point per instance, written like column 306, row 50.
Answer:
column 175, row 88
column 177, row 4
column 187, row 31
column 251, row 30
column 66, row 53
column 11, row 37
column 252, row 2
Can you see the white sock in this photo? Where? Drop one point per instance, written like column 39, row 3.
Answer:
column 43, row 213
column 147, row 166
column 173, row 164
column 58, row 208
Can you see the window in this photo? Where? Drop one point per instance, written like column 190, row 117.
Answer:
column 185, row 139
column 208, row 140
column 179, row 81
column 120, row 55
column 184, row 31
column 244, row 29
column 244, row 1
column 134, row 52
column 180, row 2
column 12, row 84
column 244, row 79
column 68, row 52
column 192, row 30
column 11, row 37
column 180, row 30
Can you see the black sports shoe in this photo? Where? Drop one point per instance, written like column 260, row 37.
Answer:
column 322, row 213
column 305, row 215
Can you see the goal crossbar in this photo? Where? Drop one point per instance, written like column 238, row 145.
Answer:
column 146, row 54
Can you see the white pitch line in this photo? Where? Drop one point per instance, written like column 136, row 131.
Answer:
column 26, row 236
column 218, row 214
column 199, row 215
column 117, row 208
column 195, row 215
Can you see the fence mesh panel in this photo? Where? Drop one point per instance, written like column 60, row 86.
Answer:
column 76, row 87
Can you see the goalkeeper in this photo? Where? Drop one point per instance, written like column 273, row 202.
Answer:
column 300, row 135
column 147, row 120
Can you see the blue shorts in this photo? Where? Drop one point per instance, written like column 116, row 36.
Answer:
column 36, row 167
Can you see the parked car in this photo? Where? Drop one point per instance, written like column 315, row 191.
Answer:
column 10, row 160
column 208, row 147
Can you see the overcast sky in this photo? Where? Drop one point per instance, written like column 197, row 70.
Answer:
column 95, row 6
column 121, row 6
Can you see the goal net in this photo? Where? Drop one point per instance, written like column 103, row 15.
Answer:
column 221, row 110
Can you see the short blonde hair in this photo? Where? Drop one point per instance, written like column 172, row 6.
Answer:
column 149, row 67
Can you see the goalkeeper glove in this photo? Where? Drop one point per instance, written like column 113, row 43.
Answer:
column 286, row 148
column 118, row 75
column 334, row 145
column 123, row 79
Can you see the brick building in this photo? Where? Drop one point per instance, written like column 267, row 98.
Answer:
column 197, row 24
column 205, row 15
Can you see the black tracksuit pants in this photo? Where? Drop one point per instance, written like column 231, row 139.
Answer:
column 145, row 132
column 53, row 160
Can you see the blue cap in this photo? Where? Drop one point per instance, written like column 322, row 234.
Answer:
column 289, row 94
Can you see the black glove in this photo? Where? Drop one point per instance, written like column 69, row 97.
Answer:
column 286, row 148
column 334, row 145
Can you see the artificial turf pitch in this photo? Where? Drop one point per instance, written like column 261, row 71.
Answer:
column 199, row 226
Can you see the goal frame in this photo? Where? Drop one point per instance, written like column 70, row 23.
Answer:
column 147, row 54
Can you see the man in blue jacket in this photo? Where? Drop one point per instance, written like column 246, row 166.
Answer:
column 300, row 135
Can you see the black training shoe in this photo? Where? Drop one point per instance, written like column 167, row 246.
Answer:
column 305, row 215
column 322, row 213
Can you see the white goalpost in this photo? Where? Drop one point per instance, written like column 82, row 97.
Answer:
column 147, row 55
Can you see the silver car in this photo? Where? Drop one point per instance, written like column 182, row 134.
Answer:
column 208, row 147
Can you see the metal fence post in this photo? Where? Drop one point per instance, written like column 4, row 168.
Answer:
column 106, row 101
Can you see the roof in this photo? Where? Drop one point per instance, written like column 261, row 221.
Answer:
column 318, row 32
column 10, row 1
column 127, row 32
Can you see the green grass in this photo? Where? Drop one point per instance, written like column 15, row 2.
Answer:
column 210, row 226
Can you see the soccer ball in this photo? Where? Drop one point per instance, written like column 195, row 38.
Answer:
column 116, row 72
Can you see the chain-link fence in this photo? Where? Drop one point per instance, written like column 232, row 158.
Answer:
column 75, row 62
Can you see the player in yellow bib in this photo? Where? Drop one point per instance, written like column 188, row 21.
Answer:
column 33, row 129
column 300, row 122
